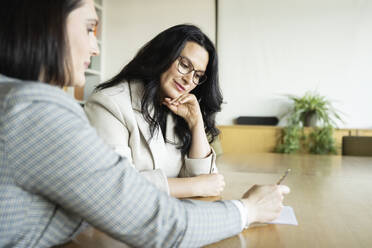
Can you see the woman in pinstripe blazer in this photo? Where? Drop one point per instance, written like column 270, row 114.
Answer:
column 56, row 174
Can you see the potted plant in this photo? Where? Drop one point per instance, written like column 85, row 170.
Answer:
column 311, row 110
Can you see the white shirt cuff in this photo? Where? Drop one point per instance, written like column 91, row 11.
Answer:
column 243, row 213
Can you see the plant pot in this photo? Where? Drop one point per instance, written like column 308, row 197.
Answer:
column 310, row 119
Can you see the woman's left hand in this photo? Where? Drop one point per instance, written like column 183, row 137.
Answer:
column 186, row 106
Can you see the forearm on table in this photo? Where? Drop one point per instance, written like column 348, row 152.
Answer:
column 183, row 187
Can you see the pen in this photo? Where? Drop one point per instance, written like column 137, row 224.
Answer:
column 283, row 177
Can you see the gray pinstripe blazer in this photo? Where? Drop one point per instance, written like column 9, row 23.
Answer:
column 56, row 173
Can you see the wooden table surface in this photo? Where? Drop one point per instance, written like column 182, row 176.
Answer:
column 331, row 197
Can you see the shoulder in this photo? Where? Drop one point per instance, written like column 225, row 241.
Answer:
column 119, row 101
column 33, row 94
column 114, row 99
column 117, row 90
column 115, row 94
column 122, row 97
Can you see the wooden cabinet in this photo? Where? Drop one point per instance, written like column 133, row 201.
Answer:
column 245, row 139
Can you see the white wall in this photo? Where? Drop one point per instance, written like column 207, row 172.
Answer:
column 269, row 48
column 129, row 24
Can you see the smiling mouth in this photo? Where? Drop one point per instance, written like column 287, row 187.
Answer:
column 179, row 87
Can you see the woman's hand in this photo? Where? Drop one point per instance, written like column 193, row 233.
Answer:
column 208, row 185
column 186, row 106
column 264, row 202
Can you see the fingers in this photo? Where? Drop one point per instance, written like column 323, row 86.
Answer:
column 171, row 101
column 283, row 189
column 220, row 183
column 187, row 98
column 264, row 202
column 211, row 184
column 219, row 180
column 172, row 107
column 172, row 104
column 178, row 100
column 181, row 99
column 275, row 192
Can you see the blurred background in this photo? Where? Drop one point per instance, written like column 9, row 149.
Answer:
column 267, row 50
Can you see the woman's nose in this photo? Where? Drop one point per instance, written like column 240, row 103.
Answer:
column 189, row 77
column 94, row 47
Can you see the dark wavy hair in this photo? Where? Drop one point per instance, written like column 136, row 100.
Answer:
column 153, row 59
column 33, row 40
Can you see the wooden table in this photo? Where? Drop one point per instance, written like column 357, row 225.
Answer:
column 331, row 197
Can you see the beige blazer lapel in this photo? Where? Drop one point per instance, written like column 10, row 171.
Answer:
column 170, row 134
column 155, row 144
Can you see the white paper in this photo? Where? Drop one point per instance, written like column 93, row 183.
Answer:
column 287, row 216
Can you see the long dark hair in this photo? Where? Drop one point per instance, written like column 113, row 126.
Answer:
column 153, row 59
column 33, row 40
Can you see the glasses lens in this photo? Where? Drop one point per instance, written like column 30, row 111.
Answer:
column 199, row 79
column 184, row 66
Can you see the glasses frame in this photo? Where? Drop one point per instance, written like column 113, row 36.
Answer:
column 192, row 70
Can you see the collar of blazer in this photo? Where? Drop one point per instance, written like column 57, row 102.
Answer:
column 5, row 79
column 136, row 90
column 157, row 144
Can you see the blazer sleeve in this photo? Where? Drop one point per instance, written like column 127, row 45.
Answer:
column 59, row 157
column 196, row 166
column 107, row 118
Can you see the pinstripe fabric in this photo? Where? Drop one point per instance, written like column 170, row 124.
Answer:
column 55, row 173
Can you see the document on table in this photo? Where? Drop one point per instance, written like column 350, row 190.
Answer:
column 287, row 216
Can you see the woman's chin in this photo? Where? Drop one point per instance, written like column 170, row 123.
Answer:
column 173, row 94
column 79, row 82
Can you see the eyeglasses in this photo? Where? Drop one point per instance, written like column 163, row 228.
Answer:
column 185, row 67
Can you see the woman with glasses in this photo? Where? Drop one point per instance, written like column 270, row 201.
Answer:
column 159, row 111
column 57, row 175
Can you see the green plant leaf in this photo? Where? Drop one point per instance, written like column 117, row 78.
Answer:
column 320, row 140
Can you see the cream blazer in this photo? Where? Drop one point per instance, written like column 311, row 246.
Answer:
column 115, row 113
